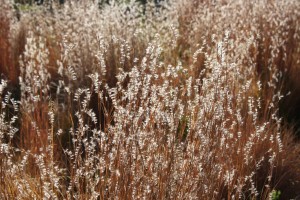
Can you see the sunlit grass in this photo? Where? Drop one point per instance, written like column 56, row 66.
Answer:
column 181, row 100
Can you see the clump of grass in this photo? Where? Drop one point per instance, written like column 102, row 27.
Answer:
column 150, row 101
column 7, row 69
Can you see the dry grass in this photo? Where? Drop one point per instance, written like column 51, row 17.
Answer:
column 6, row 64
column 179, row 101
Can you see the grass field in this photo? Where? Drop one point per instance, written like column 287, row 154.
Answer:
column 177, row 99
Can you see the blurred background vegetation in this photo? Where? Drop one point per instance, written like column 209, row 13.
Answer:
column 101, row 2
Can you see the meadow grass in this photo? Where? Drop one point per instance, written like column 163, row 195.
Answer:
column 184, row 99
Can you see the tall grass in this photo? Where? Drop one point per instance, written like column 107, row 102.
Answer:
column 181, row 100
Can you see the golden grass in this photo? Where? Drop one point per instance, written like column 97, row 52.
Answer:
column 139, row 108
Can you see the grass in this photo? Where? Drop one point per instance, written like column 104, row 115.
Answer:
column 186, row 100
